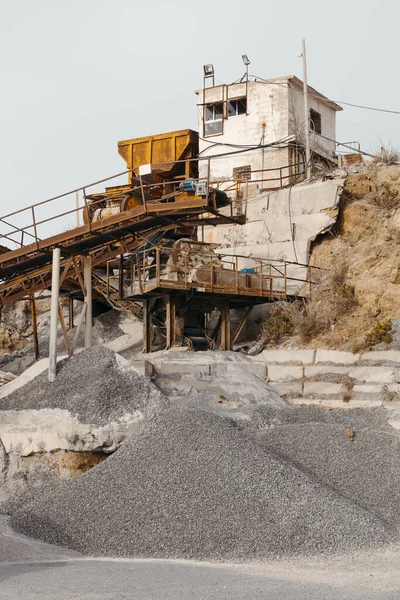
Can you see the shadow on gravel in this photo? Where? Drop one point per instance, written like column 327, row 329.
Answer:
column 10, row 570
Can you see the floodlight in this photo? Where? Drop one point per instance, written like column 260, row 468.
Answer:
column 245, row 60
column 208, row 70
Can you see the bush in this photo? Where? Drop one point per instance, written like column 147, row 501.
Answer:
column 379, row 333
column 306, row 321
column 341, row 295
column 277, row 326
column 292, row 318
column 386, row 197
column 388, row 154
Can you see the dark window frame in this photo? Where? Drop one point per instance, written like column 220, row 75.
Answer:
column 237, row 107
column 217, row 109
column 315, row 121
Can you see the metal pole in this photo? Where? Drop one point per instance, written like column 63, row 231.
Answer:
column 55, row 292
column 77, row 209
column 306, row 112
column 87, row 280
column 34, row 326
column 70, row 312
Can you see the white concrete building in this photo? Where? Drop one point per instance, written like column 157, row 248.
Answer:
column 235, row 119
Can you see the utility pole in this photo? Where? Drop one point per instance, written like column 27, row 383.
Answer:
column 306, row 112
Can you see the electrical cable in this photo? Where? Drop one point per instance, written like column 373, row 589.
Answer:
column 385, row 110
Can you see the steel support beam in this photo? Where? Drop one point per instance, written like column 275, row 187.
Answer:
column 87, row 281
column 34, row 326
column 170, row 321
column 147, row 327
column 70, row 312
column 225, row 325
column 55, row 293
column 242, row 323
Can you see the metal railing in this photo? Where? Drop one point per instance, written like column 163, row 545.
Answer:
column 145, row 271
column 160, row 191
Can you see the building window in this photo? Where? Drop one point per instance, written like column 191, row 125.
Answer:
column 242, row 173
column 315, row 121
column 213, row 119
column 237, row 107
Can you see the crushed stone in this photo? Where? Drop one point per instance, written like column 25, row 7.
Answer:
column 193, row 485
column 95, row 385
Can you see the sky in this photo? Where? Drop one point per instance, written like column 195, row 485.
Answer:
column 79, row 75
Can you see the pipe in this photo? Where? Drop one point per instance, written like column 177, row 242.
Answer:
column 87, row 280
column 55, row 292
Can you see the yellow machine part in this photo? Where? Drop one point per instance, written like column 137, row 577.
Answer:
column 162, row 148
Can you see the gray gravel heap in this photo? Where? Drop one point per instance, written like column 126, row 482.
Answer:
column 91, row 385
column 362, row 464
column 190, row 484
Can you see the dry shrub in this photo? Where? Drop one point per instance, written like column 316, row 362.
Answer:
column 388, row 154
column 277, row 326
column 306, row 322
column 379, row 333
column 386, row 197
column 339, row 295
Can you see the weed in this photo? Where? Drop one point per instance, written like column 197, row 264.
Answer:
column 388, row 154
column 306, row 322
column 386, row 197
column 277, row 326
column 379, row 333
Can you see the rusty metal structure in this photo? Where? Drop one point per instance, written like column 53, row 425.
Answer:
column 137, row 247
column 180, row 284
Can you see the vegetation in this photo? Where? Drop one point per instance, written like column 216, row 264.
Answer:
column 386, row 197
column 292, row 318
column 277, row 326
column 388, row 154
column 379, row 333
column 341, row 295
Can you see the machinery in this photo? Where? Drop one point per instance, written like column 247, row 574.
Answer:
column 171, row 175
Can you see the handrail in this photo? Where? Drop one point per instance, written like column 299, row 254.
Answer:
column 27, row 229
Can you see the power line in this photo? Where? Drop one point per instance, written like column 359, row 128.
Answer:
column 385, row 110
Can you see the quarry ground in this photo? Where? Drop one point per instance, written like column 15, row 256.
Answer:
column 31, row 569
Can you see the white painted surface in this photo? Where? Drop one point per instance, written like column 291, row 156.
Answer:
column 280, row 373
column 322, row 387
column 335, row 356
column 382, row 356
column 304, row 357
column 48, row 430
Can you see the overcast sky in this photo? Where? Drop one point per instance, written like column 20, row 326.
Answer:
column 79, row 75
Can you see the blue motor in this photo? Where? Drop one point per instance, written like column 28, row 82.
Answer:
column 189, row 185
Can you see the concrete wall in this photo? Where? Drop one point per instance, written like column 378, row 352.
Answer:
column 275, row 111
column 281, row 225
column 296, row 121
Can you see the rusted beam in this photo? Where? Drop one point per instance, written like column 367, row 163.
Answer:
column 147, row 327
column 170, row 324
column 64, row 329
column 242, row 324
column 225, row 324
column 34, row 326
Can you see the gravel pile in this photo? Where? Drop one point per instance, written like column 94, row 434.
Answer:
column 363, row 465
column 190, row 484
column 95, row 385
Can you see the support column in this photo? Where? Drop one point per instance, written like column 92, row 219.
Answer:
column 55, row 292
column 87, row 282
column 34, row 326
column 70, row 312
column 170, row 321
column 225, row 325
column 147, row 327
